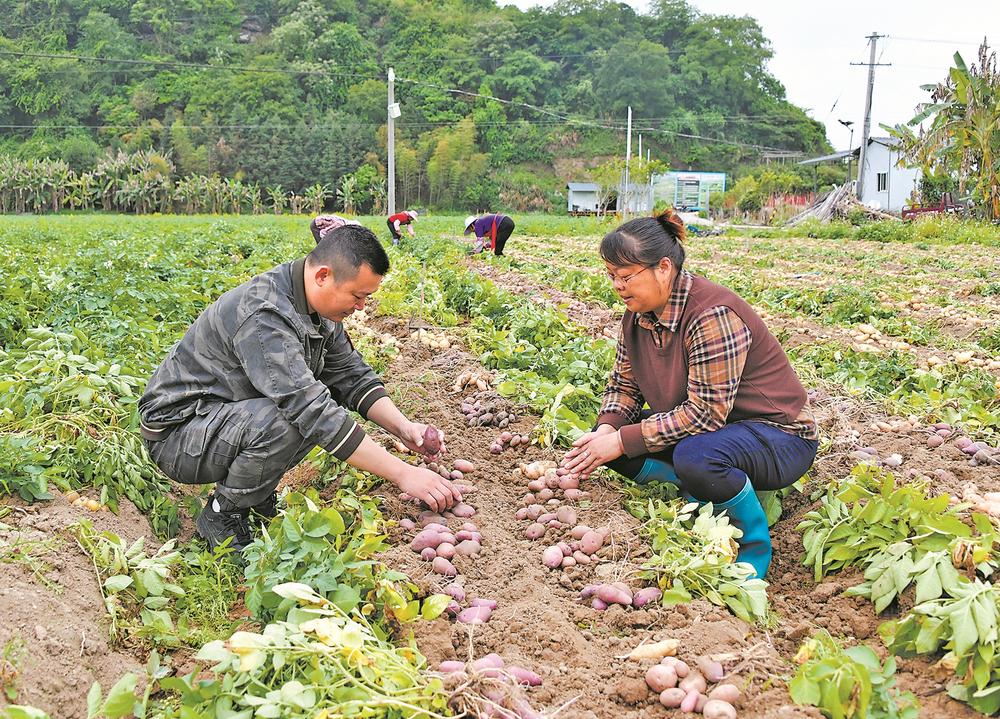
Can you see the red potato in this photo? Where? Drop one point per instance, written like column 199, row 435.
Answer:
column 564, row 548
column 487, row 662
column 700, row 704
column 480, row 602
column 524, row 676
column 456, row 476
column 574, row 494
column 429, row 517
column 672, row 698
column 496, row 448
column 456, row 592
column 428, row 554
column 535, row 511
column 535, row 485
column 717, row 709
column 552, row 557
column 616, row 593
column 690, row 701
column 711, row 670
column 588, row 591
column 646, row 595
column 468, row 548
column 447, row 537
column 446, row 550
column 535, row 531
column 475, row 615
column 463, row 510
column 464, row 466
column 465, row 534
column 591, row 542
column 694, row 682
column 963, row 442
column 451, row 666
column 569, row 483
column 453, row 609
column 597, row 604
column 521, row 513
column 426, row 538
column 470, row 527
column 432, row 441
column 528, row 499
column 442, row 566
column 566, row 515
column 407, row 524
column 726, row 692
column 660, row 677
column 568, row 562
column 545, row 494
column 545, row 518
column 581, row 558
column 437, row 527
column 579, row 531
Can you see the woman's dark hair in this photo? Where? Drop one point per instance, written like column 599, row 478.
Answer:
column 346, row 248
column 644, row 240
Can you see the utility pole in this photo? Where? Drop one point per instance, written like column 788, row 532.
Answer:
column 628, row 155
column 392, row 111
column 872, row 39
column 639, row 154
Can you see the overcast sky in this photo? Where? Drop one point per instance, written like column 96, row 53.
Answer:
column 815, row 43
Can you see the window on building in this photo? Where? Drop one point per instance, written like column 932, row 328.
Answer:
column 882, row 178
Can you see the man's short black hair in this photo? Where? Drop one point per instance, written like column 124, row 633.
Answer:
column 346, row 248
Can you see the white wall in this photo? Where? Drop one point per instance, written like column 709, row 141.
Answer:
column 901, row 180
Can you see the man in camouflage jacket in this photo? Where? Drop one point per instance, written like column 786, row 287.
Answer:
column 265, row 374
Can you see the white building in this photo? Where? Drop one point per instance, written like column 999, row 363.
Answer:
column 582, row 196
column 886, row 185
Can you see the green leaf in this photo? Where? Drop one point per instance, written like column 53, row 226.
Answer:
column 434, row 605
column 121, row 698
column 117, row 583
column 94, row 700
column 803, row 690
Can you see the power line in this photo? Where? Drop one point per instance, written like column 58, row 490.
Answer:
column 933, row 40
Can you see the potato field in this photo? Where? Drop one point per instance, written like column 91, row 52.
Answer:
column 539, row 595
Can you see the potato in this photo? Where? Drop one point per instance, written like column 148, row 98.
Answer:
column 569, row 483
column 464, row 466
column 935, row 441
column 93, row 505
column 568, row 562
column 456, row 476
column 446, row 550
column 546, row 517
column 407, row 524
column 463, row 510
column 574, row 494
column 536, row 485
column 72, row 496
column 646, row 595
column 455, row 591
column 468, row 548
column 660, row 677
column 656, row 650
column 726, row 692
column 680, row 667
column 591, row 542
column 487, row 662
column 442, row 566
column 475, row 615
column 450, row 666
column 690, row 701
column 425, row 538
column 615, row 594
column 524, row 676
column 480, row 602
column 545, row 495
column 579, row 531
column 597, row 604
column 521, row 513
column 711, row 670
column 432, row 440
column 552, row 557
column 428, row 554
column 535, row 531
column 694, row 682
column 535, row 511
column 566, row 515
column 717, row 709
column 464, row 534
column 672, row 698
column 581, row 558
column 496, row 448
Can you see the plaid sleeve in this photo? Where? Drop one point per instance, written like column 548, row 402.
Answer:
column 622, row 398
column 717, row 344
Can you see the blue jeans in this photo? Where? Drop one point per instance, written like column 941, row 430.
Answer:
column 713, row 466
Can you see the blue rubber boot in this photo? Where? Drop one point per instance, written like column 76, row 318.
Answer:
column 746, row 513
column 655, row 470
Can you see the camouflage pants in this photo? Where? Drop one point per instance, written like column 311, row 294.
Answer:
column 243, row 447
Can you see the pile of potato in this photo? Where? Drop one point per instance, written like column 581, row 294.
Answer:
column 509, row 440
column 74, row 498
column 487, row 412
column 477, row 379
column 501, row 685
column 602, row 596
column 434, row 340
column 678, row 686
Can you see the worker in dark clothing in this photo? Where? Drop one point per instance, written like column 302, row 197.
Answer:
column 492, row 232
column 265, row 374
column 397, row 221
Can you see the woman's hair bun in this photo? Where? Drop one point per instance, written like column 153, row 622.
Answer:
column 672, row 223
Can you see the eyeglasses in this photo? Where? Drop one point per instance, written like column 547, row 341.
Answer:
column 625, row 280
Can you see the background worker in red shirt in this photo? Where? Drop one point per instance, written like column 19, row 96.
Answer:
column 492, row 232
column 727, row 413
column 395, row 223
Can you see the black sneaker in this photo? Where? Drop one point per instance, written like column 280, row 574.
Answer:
column 265, row 510
column 230, row 521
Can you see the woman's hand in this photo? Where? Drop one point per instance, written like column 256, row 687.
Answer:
column 592, row 450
